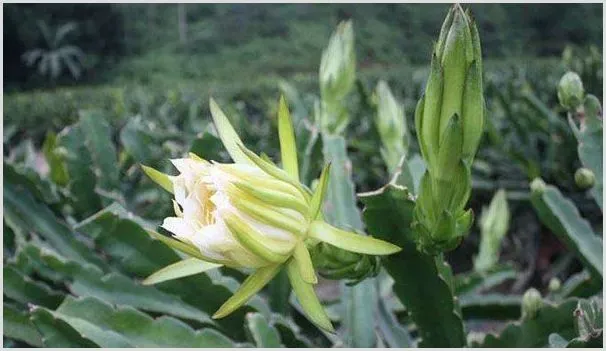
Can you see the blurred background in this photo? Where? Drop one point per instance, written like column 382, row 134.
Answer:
column 161, row 62
column 149, row 70
column 96, row 44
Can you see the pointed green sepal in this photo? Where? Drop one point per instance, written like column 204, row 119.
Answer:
column 245, row 176
column 288, row 146
column 163, row 180
column 349, row 241
column 306, row 268
column 464, row 222
column 249, row 287
column 273, row 197
column 473, row 111
column 429, row 119
column 265, row 157
column 196, row 157
column 271, row 169
column 318, row 196
column 182, row 247
column 270, row 250
column 180, row 269
column 444, row 227
column 227, row 133
column 307, row 298
column 266, row 214
column 451, row 148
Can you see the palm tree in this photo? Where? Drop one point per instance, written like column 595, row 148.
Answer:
column 57, row 53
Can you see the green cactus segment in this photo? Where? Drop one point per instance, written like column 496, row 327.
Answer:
column 22, row 209
column 589, row 137
column 109, row 326
column 340, row 211
column 475, row 282
column 82, row 179
column 21, row 288
column 534, row 332
column 261, row 332
column 98, row 140
column 56, row 332
column 561, row 216
column 17, row 325
column 491, row 306
column 426, row 294
column 113, row 288
column 127, row 244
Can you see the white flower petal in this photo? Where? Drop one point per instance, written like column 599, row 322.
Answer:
column 179, row 227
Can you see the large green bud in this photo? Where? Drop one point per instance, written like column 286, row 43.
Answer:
column 570, row 91
column 449, row 120
column 337, row 78
column 454, row 88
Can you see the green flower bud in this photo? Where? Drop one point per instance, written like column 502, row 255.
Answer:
column 391, row 124
column 584, row 178
column 570, row 91
column 449, row 120
column 454, row 88
column 494, row 224
column 537, row 186
column 554, row 284
column 334, row 263
column 337, row 77
column 531, row 303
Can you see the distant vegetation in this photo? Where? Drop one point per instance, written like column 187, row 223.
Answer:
column 148, row 43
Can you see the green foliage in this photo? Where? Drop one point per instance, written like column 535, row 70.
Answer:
column 58, row 55
column 109, row 326
column 563, row 218
column 589, row 137
column 534, row 332
column 424, row 290
column 78, row 208
column 261, row 332
column 339, row 207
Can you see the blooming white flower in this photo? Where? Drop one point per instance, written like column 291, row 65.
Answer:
column 203, row 200
column 252, row 214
